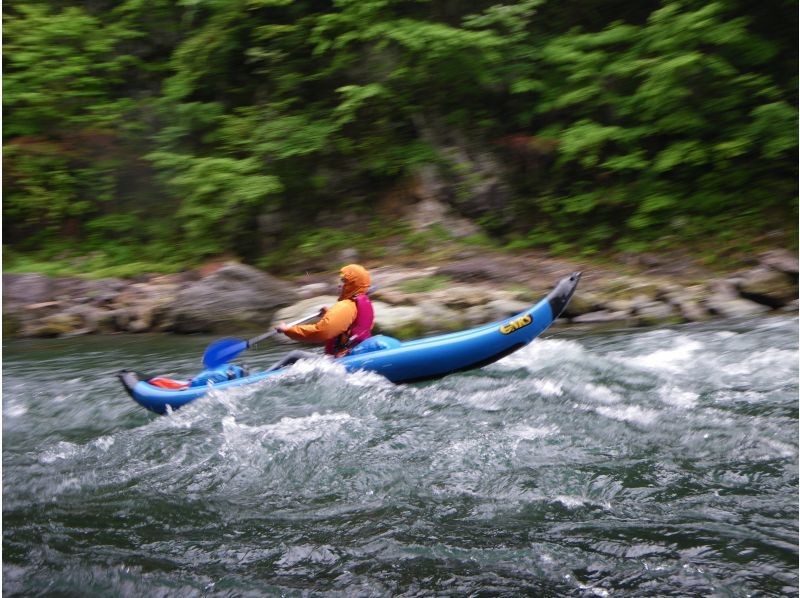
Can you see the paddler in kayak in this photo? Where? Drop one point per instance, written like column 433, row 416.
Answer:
column 342, row 326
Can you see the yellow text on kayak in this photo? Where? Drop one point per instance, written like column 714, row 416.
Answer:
column 516, row 324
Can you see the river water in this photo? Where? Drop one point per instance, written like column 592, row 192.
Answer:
column 635, row 463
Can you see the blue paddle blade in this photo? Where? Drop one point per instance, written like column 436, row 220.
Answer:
column 222, row 351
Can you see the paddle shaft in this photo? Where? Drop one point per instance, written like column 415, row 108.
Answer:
column 254, row 341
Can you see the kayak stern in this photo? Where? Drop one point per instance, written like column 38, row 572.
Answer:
column 129, row 380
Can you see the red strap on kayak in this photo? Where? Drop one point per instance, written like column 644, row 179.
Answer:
column 168, row 383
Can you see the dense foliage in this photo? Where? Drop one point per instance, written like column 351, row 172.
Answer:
column 167, row 131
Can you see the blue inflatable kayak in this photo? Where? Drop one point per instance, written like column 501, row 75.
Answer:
column 410, row 361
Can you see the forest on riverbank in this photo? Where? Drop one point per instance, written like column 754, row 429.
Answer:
column 151, row 136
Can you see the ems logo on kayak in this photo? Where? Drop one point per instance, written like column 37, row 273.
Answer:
column 516, row 324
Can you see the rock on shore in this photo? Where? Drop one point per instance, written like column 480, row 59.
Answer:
column 232, row 297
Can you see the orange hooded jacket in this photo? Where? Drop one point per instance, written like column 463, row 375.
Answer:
column 340, row 317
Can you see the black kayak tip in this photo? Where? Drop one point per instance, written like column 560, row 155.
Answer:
column 129, row 380
column 559, row 297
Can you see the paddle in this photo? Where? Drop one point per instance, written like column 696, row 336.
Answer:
column 225, row 349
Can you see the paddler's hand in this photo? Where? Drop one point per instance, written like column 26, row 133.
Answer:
column 281, row 328
column 322, row 311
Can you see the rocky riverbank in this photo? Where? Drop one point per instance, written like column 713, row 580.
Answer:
column 474, row 288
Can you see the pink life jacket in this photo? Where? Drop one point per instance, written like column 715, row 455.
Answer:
column 360, row 329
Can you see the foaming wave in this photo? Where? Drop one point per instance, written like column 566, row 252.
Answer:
column 187, row 416
column 304, row 429
column 683, row 353
column 61, row 451
column 772, row 358
column 307, row 553
column 543, row 353
column 291, row 430
column 597, row 591
column 367, row 379
column 485, row 400
column 631, row 413
column 778, row 449
column 104, row 443
column 579, row 502
column 528, row 432
column 15, row 411
column 600, row 393
column 308, row 370
column 304, row 367
column 678, row 397
column 70, row 468
column 547, row 388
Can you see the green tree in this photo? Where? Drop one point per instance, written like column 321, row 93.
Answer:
column 155, row 123
column 73, row 127
column 674, row 117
